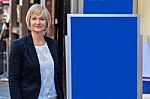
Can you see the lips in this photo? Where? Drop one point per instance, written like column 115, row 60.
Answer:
column 37, row 26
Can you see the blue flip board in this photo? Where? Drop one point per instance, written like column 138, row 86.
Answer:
column 103, row 60
column 108, row 6
column 146, row 87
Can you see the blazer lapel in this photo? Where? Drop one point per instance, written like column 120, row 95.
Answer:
column 32, row 52
column 53, row 51
column 51, row 47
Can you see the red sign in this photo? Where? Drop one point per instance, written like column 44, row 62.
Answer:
column 4, row 1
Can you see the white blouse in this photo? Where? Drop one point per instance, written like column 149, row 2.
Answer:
column 46, row 61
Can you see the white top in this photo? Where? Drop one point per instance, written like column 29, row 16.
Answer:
column 46, row 62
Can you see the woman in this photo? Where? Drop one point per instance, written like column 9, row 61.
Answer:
column 5, row 31
column 35, row 72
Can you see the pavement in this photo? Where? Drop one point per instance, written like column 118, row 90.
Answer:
column 4, row 89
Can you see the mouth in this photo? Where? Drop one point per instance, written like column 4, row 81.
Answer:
column 37, row 26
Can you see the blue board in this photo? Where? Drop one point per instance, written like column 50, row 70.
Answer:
column 146, row 87
column 108, row 6
column 103, row 56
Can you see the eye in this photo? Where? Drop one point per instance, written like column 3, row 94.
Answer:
column 42, row 19
column 33, row 18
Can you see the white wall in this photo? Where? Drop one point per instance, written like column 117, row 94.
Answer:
column 144, row 11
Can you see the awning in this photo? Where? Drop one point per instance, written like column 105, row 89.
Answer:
column 4, row 1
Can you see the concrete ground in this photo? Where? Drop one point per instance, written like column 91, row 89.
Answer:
column 4, row 91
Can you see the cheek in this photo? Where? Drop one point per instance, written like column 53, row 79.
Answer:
column 31, row 25
column 45, row 25
column 32, row 22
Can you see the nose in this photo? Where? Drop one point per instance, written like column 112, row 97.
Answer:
column 37, row 21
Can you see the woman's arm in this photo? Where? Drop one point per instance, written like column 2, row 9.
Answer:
column 15, row 62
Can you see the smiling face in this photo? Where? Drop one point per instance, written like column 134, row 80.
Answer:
column 38, row 19
column 37, row 23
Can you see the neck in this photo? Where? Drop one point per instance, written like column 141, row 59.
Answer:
column 38, row 39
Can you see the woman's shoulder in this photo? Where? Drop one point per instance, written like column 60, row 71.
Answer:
column 50, row 40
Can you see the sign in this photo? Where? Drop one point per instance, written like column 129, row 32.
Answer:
column 108, row 6
column 4, row 1
column 102, row 56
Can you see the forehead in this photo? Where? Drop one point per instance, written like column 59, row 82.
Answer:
column 37, row 16
column 36, row 12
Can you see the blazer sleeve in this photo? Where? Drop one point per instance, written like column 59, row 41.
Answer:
column 15, row 61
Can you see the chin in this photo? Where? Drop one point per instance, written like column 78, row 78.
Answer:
column 38, row 31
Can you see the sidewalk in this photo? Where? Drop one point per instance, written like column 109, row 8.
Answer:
column 4, row 90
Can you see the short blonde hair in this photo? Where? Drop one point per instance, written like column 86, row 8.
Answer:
column 38, row 9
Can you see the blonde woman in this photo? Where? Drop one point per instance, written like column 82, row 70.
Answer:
column 35, row 72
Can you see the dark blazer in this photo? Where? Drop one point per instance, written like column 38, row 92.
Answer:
column 24, row 70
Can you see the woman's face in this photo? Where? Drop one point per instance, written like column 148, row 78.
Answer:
column 37, row 23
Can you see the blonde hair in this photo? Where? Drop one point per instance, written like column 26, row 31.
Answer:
column 38, row 9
